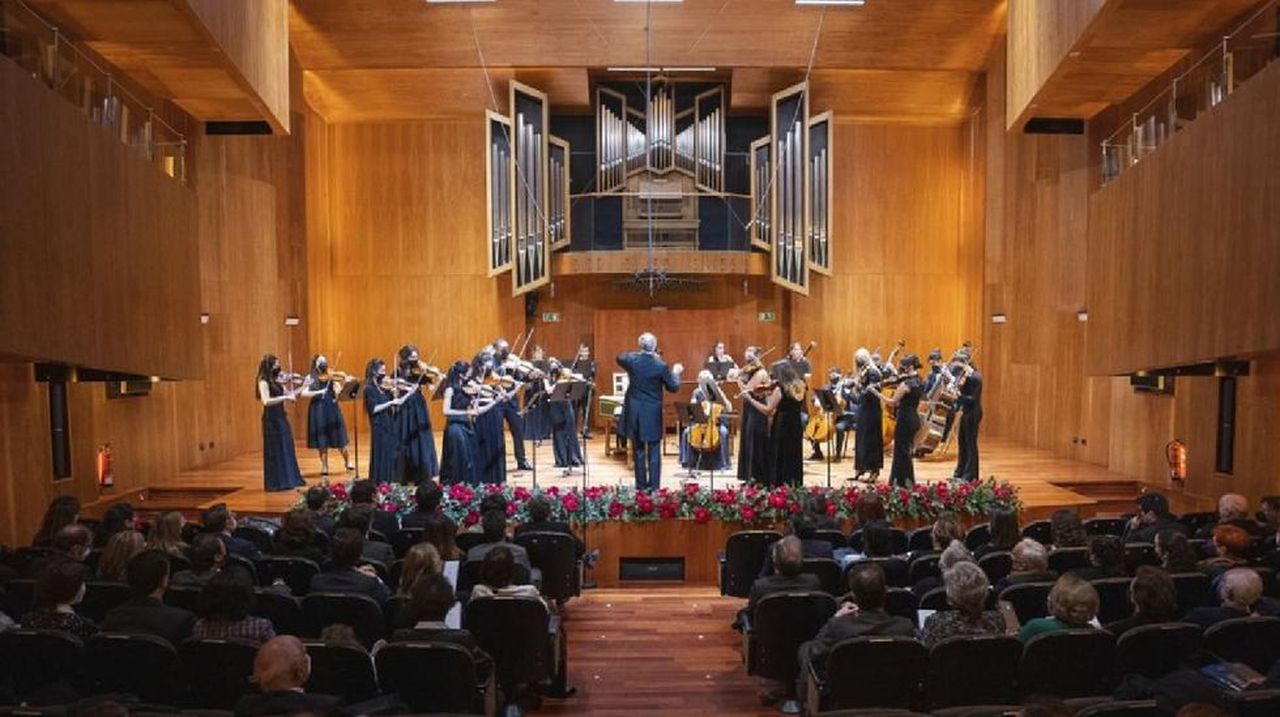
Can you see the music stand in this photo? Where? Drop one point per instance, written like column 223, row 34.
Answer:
column 349, row 392
column 583, row 437
column 561, row 394
column 529, row 405
column 827, row 399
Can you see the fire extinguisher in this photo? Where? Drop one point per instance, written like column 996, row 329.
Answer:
column 1176, row 454
column 106, row 475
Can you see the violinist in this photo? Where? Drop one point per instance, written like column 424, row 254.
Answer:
column 786, row 434
column 417, row 442
column 491, row 451
column 969, row 384
column 279, row 462
column 906, row 402
column 326, row 426
column 797, row 360
column 463, row 404
column 503, row 363
column 564, row 433
column 719, row 363
column 868, row 445
column 380, row 403
column 754, row 461
column 584, row 366
column 710, row 448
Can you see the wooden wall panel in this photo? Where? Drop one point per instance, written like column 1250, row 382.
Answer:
column 1041, row 33
column 254, row 36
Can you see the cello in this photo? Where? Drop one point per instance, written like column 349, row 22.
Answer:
column 705, row 437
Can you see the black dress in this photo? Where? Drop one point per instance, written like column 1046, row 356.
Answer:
column 418, row 444
column 457, row 462
column 786, row 441
column 868, row 447
column 385, row 434
column 754, row 463
column 326, row 427
column 907, row 417
column 279, row 462
column 564, row 434
column 491, row 449
column 970, row 404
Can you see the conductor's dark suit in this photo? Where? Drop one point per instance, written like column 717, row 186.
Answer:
column 642, row 412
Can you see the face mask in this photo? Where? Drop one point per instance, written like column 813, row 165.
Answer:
column 275, row 370
column 322, row 366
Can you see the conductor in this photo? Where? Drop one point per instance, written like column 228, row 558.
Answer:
column 647, row 375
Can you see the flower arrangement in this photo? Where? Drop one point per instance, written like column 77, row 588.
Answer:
column 743, row 504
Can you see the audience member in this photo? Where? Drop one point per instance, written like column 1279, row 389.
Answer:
column 817, row 507
column 73, row 543
column 166, row 534
column 1004, row 533
column 802, row 527
column 1106, row 559
column 443, row 534
column 494, row 525
column 224, row 607
column 116, row 556
column 1073, row 603
column 428, row 497
column 1154, row 599
column 1152, row 517
column 1233, row 509
column 364, row 492
column 1175, row 552
column 59, row 589
column 145, row 612
column 320, row 502
column 422, row 561
column 955, row 554
column 863, row 617
column 540, row 522
column 62, row 511
column 343, row 575
column 877, row 539
column 297, row 537
column 1269, row 519
column 788, row 559
column 867, row 509
column 360, row 517
column 496, row 575
column 946, row 529
column 1231, row 545
column 281, row 669
column 1030, row 565
column 1241, row 592
column 208, row 554
column 1066, row 530
column 222, row 522
column 967, row 590
column 428, row 605
column 117, row 518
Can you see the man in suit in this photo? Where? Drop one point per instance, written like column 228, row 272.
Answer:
column 72, row 542
column 584, row 366
column 343, row 576
column 1151, row 518
column 647, row 376
column 363, row 492
column 494, row 523
column 510, row 410
column 280, row 669
column 540, row 522
column 222, row 522
column 428, row 497
column 803, row 527
column 145, row 612
column 208, row 555
column 864, row 617
column 787, row 557
column 360, row 517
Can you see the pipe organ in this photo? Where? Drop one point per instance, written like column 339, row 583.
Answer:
column 709, row 146
column 653, row 133
column 761, row 194
column 790, row 201
column 661, row 123
column 498, row 191
column 819, row 168
column 558, row 192
column 611, row 140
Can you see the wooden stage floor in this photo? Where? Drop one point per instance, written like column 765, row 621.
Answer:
column 1045, row 482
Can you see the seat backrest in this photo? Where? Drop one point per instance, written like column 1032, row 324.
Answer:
column 1040, row 531
column 1113, row 599
column 429, row 676
column 19, row 597
column 920, row 539
column 100, row 597
column 555, row 554
column 282, row 610
column 923, row 566
column 973, row 669
column 1139, row 554
column 255, row 534
column 218, row 671
column 836, row 538
column 900, row 541
column 1256, row 703
column 1029, row 600
column 514, row 631
column 1194, row 590
column 404, row 539
column 827, row 571
column 1063, row 560
column 469, row 575
column 178, row 563
column 1067, row 663
column 1196, row 521
column 978, row 536
column 1156, row 650
column 782, row 622
column 1121, row 708
column 901, row 602
column 467, row 541
column 296, row 572
column 186, row 597
column 997, row 565
column 143, row 665
column 1104, row 526
column 341, row 670
column 935, row 599
column 247, row 564
column 744, row 556
column 874, row 672
column 361, row 612
column 895, row 570
column 1254, row 641
column 36, row 659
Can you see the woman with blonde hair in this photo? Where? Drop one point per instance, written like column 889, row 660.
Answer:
column 166, row 534
column 1073, row 603
column 422, row 560
column 116, row 556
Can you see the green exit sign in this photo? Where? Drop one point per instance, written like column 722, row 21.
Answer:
column 768, row 316
column 550, row 317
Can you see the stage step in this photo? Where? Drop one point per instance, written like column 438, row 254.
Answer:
column 1114, row 498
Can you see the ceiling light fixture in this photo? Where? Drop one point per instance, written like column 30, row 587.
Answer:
column 832, row 2
column 634, row 69
column 688, row 69
column 639, row 68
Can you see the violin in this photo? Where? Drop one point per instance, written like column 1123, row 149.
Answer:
column 285, row 378
column 331, row 375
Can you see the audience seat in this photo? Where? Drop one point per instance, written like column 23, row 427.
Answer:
column 935, row 599
column 43, row 665
column 361, row 612
column 218, row 671
column 185, row 597
column 782, row 622
column 868, row 672
column 555, row 555
column 469, row 576
column 828, row 573
column 1256, row 703
column 294, row 571
column 923, row 566
column 899, row 543
column 1127, row 708
column 1067, row 663
column 1156, row 650
column 393, row 612
column 836, row 538
column 901, row 602
column 743, row 559
column 895, row 570
column 920, row 539
column 178, row 563
column 247, row 564
column 1196, row 521
column 467, row 541
column 282, row 610
column 341, row 670
column 1139, row 554
column 970, row 670
column 19, row 597
column 435, row 677
column 145, row 666
column 1194, row 590
column 1040, row 531
column 1113, row 599
column 1254, row 641
column 1063, row 560
column 379, row 567
column 100, row 597
column 378, row 536
column 515, row 631
column 404, row 539
column 255, row 533
column 1028, row 599
column 996, row 565
column 978, row 536
column 1104, row 526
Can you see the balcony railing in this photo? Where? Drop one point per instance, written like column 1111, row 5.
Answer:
column 38, row 47
column 1241, row 55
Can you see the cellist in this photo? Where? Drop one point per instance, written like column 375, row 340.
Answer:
column 701, row 445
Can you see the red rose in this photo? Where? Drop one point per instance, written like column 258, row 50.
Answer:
column 389, row 506
column 616, row 509
column 511, row 509
column 644, row 504
column 831, row 510
column 553, row 491
column 471, row 518
column 521, row 494
column 691, row 488
column 667, row 511
column 778, row 500
column 570, row 502
column 701, row 514
column 882, row 488
column 903, row 495
column 748, row 513
column 339, row 491
column 384, row 488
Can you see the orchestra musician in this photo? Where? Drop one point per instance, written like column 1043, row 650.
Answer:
column 796, row 359
column 868, row 445
column 755, row 464
column 786, row 434
column 490, row 454
column 641, row 422
column 969, row 383
column 279, row 462
column 906, row 402
column 510, row 410
column 707, row 394
column 326, row 426
column 719, row 363
column 564, row 427
column 584, row 366
column 417, row 442
column 458, row 459
column 843, row 419
column 380, row 402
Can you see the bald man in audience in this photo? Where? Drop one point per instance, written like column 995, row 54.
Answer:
column 72, row 542
column 1233, row 509
column 788, row 561
column 280, row 669
column 1241, row 592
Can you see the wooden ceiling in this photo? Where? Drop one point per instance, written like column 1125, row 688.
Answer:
column 910, row 60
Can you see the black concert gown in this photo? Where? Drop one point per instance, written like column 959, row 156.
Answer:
column 907, row 423
column 786, row 438
column 279, row 462
column 754, row 462
column 868, row 447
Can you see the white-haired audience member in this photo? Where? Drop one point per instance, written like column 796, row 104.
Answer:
column 1241, row 593
column 1030, row 565
column 967, row 590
